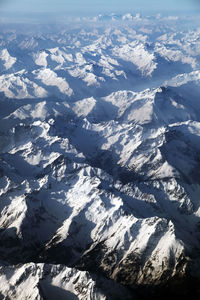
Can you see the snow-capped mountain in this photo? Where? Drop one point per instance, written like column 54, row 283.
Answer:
column 99, row 161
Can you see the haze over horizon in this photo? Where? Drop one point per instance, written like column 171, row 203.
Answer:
column 28, row 10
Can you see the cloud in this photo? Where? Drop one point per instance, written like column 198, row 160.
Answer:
column 171, row 18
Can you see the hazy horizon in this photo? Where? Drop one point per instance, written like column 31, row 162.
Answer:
column 29, row 10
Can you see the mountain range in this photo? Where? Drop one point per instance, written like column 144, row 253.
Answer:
column 99, row 160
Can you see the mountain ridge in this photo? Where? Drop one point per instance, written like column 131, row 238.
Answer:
column 99, row 163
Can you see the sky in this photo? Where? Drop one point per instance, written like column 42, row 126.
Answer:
column 22, row 9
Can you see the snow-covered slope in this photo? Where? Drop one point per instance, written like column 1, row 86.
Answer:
column 43, row 281
column 99, row 184
column 6, row 59
column 98, row 59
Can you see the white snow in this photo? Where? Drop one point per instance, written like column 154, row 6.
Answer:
column 138, row 55
column 7, row 59
column 50, row 78
column 41, row 59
